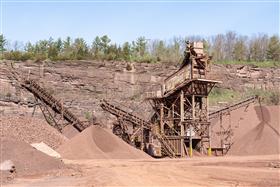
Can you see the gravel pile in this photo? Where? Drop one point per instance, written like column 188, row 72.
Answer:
column 99, row 143
column 30, row 130
column 262, row 136
column 25, row 160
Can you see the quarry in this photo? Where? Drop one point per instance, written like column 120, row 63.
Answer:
column 108, row 123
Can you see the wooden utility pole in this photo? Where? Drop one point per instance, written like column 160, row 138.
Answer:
column 191, row 127
column 161, row 119
column 182, row 111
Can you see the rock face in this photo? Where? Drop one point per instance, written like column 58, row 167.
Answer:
column 81, row 84
column 239, row 77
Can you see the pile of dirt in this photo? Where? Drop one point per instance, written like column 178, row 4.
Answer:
column 255, row 130
column 264, row 137
column 99, row 143
column 31, row 130
column 69, row 131
column 26, row 159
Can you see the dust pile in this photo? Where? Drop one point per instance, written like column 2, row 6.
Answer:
column 26, row 159
column 255, row 130
column 69, row 131
column 264, row 137
column 99, row 143
column 31, row 130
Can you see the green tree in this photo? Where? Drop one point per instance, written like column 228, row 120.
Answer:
column 258, row 47
column 80, row 49
column 206, row 45
column 240, row 49
column 160, row 50
column 104, row 43
column 141, row 46
column 2, row 45
column 41, row 49
column 59, row 45
column 67, row 43
column 112, row 52
column 96, row 48
column 66, row 49
column 126, row 51
column 273, row 51
column 53, row 50
column 29, row 48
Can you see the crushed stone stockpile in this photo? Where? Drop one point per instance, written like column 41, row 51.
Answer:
column 264, row 135
column 31, row 130
column 99, row 143
column 26, row 159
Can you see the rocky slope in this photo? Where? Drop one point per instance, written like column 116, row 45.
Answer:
column 81, row 84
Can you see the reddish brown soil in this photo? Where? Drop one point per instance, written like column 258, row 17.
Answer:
column 69, row 131
column 263, row 138
column 26, row 159
column 98, row 143
column 256, row 130
column 30, row 130
column 230, row 171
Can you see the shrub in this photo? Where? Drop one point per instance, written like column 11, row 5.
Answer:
column 274, row 98
column 17, row 56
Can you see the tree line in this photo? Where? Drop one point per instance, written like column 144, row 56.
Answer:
column 222, row 47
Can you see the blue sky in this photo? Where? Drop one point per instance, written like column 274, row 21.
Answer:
column 125, row 21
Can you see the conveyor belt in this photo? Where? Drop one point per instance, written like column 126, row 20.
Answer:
column 41, row 94
column 232, row 107
column 126, row 116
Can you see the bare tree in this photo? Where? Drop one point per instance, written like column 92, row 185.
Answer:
column 230, row 40
column 217, row 49
column 258, row 47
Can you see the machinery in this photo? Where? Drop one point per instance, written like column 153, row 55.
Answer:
column 53, row 110
column 180, row 109
column 180, row 123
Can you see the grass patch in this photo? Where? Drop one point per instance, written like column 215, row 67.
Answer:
column 263, row 64
column 268, row 97
column 223, row 95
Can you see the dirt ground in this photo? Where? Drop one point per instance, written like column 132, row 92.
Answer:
column 99, row 159
column 96, row 157
column 198, row 171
